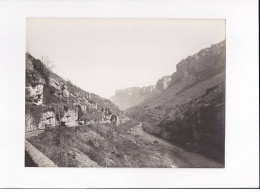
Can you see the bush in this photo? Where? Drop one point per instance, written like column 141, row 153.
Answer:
column 149, row 128
column 42, row 69
column 49, row 96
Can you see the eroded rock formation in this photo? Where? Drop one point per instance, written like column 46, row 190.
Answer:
column 35, row 94
column 70, row 118
column 163, row 83
column 50, row 100
column 48, row 119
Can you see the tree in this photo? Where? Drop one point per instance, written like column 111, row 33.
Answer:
column 47, row 62
column 45, row 68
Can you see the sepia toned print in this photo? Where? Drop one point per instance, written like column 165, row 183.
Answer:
column 133, row 93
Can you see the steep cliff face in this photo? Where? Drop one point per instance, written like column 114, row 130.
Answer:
column 125, row 98
column 202, row 65
column 50, row 100
column 163, row 83
column 191, row 110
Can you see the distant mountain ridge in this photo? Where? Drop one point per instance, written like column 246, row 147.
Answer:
column 125, row 98
column 129, row 97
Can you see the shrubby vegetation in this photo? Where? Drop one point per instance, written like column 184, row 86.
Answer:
column 128, row 124
column 149, row 128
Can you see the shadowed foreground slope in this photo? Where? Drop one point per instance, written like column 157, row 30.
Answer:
column 104, row 146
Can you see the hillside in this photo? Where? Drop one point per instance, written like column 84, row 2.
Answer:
column 190, row 112
column 52, row 101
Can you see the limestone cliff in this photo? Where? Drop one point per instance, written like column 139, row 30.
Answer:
column 163, row 83
column 125, row 98
column 51, row 101
column 202, row 65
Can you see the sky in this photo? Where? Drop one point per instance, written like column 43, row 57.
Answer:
column 103, row 55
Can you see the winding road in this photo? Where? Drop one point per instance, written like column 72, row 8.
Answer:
column 32, row 133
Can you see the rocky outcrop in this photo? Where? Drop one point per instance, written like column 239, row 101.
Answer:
column 163, row 83
column 60, row 87
column 41, row 120
column 48, row 119
column 51, row 100
column 35, row 94
column 203, row 64
column 34, row 84
column 70, row 118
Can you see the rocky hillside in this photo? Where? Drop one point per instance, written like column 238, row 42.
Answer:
column 189, row 107
column 51, row 101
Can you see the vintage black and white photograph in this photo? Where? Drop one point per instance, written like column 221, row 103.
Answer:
column 129, row 93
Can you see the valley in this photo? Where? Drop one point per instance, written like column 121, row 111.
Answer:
column 188, row 107
column 179, row 122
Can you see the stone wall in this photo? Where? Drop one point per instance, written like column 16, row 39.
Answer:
column 38, row 157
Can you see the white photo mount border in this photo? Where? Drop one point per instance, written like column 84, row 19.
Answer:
column 242, row 93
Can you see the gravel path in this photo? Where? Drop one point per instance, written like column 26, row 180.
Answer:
column 32, row 133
